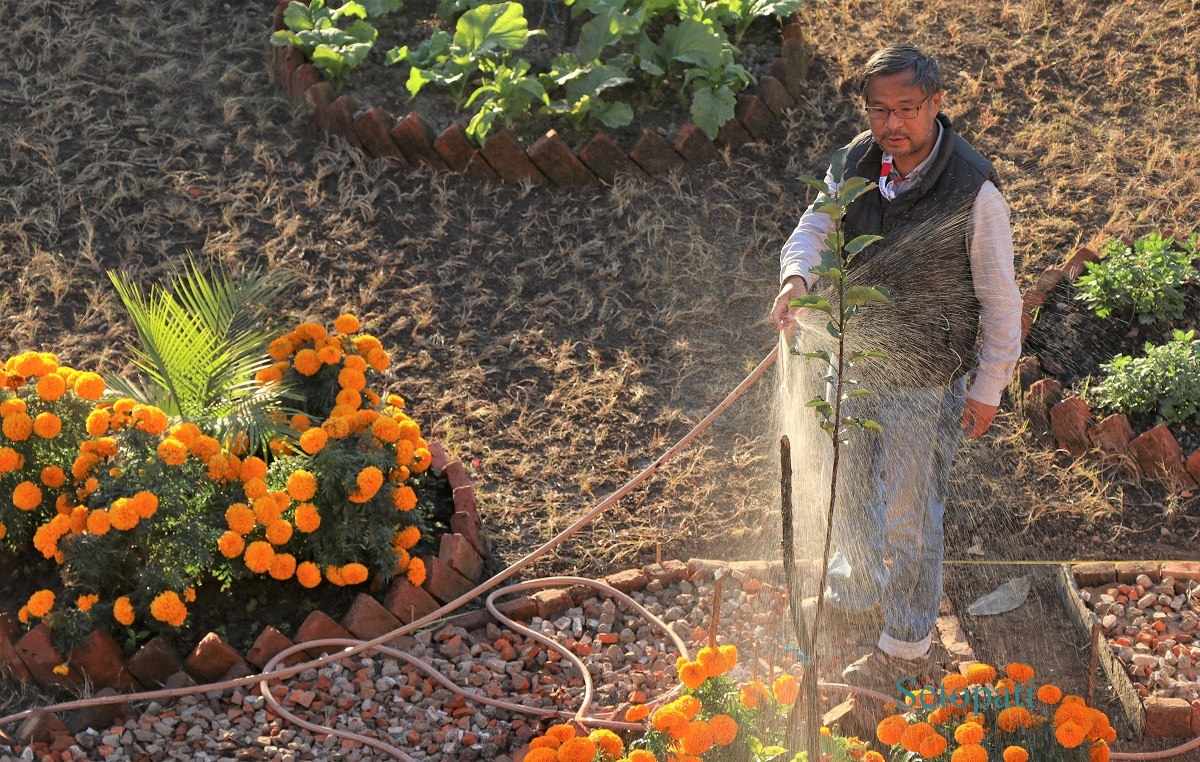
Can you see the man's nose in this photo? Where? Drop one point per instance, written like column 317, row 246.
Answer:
column 893, row 120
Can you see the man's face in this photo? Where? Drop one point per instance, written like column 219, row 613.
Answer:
column 902, row 137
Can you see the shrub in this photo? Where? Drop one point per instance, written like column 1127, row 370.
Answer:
column 1145, row 278
column 1166, row 381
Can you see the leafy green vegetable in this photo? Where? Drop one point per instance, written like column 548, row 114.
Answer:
column 1166, row 381
column 507, row 94
column 1145, row 278
column 314, row 30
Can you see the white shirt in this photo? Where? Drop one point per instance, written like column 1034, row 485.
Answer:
column 990, row 248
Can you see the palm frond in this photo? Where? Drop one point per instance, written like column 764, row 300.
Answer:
column 259, row 413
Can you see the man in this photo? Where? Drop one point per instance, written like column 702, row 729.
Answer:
column 947, row 258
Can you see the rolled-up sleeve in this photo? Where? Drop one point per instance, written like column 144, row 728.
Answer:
column 802, row 251
column 992, row 269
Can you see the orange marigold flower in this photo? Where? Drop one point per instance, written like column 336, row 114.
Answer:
column 205, row 447
column 542, row 754
column 891, row 729
column 311, row 331
column 258, row 556
column 355, row 362
column 17, row 427
column 369, row 480
column 670, row 721
column 98, row 522
column 240, row 518
column 308, row 574
column 407, row 537
column 253, row 467
column 334, row 575
column 271, row 375
column 329, row 354
column 1016, row 754
column 969, row 753
column 306, row 362
column 933, row 746
column 724, row 729
column 280, row 349
column 1019, row 672
column 47, row 425
column 561, row 733
column 693, row 674
column 51, row 387
column 1074, row 712
column 348, row 398
column 968, row 733
column 267, row 510
column 713, row 661
column 313, row 440
column 189, row 595
column 172, row 451
column 642, row 755
column 637, row 713
column 53, row 477
column 980, row 673
column 1049, row 694
column 146, row 503
column 85, row 602
column 914, row 734
column 89, row 386
column 307, row 518
column 577, row 750
column 416, row 571
column 254, row 488
column 785, row 689
column 873, row 756
column 3, row 530
column 1069, row 734
column 97, row 422
column 954, row 681
column 123, row 514
column 123, row 610
column 279, row 532
column 27, row 496
column 689, row 705
column 168, row 608
column 354, row 574
column 10, row 460
column 301, row 485
column 753, row 694
column 1012, row 718
column 1099, row 753
column 423, row 460
column 608, row 742
column 386, row 429
column 283, row 566
column 336, row 427
column 348, row 378
column 62, row 670
column 379, row 360
column 697, row 739
column 79, row 517
column 404, row 498
column 40, row 603
column 346, row 323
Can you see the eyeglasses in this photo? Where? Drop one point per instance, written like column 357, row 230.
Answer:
column 880, row 114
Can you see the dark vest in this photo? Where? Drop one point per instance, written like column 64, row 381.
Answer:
column 930, row 327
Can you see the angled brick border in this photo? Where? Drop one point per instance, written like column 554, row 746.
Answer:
column 458, row 566
column 549, row 161
column 1070, row 424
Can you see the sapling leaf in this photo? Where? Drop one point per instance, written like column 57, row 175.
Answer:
column 298, row 17
column 833, row 330
column 872, row 426
column 812, row 302
column 490, row 27
column 851, row 188
column 856, row 295
column 820, row 185
column 861, row 242
column 833, row 209
column 856, row 393
column 820, row 354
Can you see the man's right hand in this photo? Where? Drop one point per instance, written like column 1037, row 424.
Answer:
column 787, row 318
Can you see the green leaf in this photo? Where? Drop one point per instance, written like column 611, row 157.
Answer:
column 871, row 426
column 832, row 208
column 813, row 302
column 712, row 108
column 820, row 185
column 693, row 42
column 492, row 27
column 351, row 8
column 297, row 17
column 381, row 7
column 861, row 242
column 616, row 114
column 862, row 294
column 837, row 165
column 820, row 354
column 833, row 330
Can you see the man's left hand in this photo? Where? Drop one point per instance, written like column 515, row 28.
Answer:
column 976, row 418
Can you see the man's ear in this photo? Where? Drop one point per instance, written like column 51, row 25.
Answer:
column 936, row 100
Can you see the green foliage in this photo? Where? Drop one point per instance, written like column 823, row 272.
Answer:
column 507, row 93
column 199, row 346
column 740, row 14
column 1145, row 279
column 1166, row 381
column 315, row 29
column 584, row 84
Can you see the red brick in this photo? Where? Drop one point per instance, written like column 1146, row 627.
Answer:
column 510, row 161
column 520, row 609
column 455, row 148
column 287, row 60
column 319, row 98
column 733, row 134
column 341, row 116
column 628, row 580
column 1193, row 465
column 371, row 126
column 694, row 146
column 775, row 95
column 279, row 9
column 415, row 139
column 1196, row 717
column 40, row 657
column 606, row 159
column 457, row 553
column 1094, row 574
column 268, row 643
column 1167, row 717
column 443, row 583
column 551, row 602
column 1050, row 278
column 1157, row 453
column 9, row 626
column 793, row 31
column 1070, row 419
column 467, row 525
column 668, row 572
column 479, row 169
column 1182, row 570
column 795, row 52
column 790, row 75
column 180, row 679
column 368, row 619
column 1041, row 397
column 1026, row 324
column 438, row 457
column 456, row 473
column 100, row 716
column 706, row 568
column 304, row 77
column 464, row 500
column 754, row 115
column 654, row 155
column 556, row 160
column 99, row 658
column 1129, row 571
column 1032, row 299
column 40, row 727
column 211, row 658
column 1076, row 264
column 1029, row 369
column 407, row 602
column 317, row 626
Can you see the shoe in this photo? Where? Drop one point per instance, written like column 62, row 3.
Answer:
column 881, row 671
column 834, row 617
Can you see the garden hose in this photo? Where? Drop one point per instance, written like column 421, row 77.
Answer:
column 351, row 647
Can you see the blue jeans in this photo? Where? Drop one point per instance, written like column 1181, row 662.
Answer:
column 888, row 521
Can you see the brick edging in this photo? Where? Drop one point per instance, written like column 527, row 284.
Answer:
column 457, row 568
column 411, row 142
column 1070, row 424
column 1150, row 715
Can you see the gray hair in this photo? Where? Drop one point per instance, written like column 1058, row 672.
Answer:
column 901, row 58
